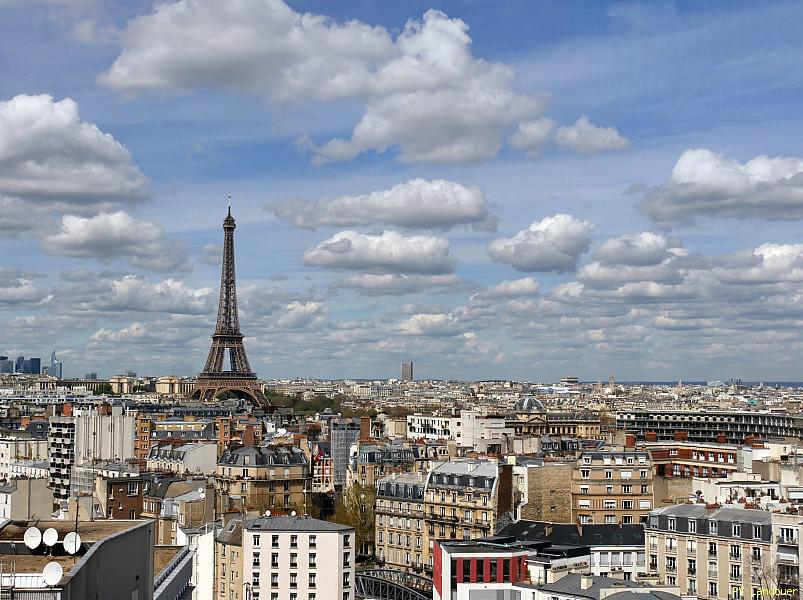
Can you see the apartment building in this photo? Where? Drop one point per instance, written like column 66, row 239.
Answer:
column 401, row 533
column 682, row 458
column 285, row 558
column 373, row 462
column 434, row 427
column 187, row 458
column 612, row 487
column 465, row 497
column 266, row 477
column 724, row 553
column 614, row 550
column 228, row 573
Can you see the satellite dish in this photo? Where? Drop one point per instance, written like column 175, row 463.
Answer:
column 293, row 513
column 267, row 513
column 50, row 537
column 33, row 537
column 201, row 490
column 72, row 542
column 52, row 573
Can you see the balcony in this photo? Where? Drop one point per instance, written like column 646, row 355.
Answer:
column 787, row 541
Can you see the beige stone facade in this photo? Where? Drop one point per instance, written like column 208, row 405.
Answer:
column 612, row 487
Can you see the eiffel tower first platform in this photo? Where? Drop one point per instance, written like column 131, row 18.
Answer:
column 240, row 379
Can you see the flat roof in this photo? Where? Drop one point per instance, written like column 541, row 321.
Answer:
column 162, row 555
column 90, row 531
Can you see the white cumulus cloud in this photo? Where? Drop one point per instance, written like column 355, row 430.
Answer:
column 48, row 156
column 423, row 92
column 389, row 251
column 418, row 203
column 551, row 244
column 706, row 184
column 584, row 136
column 116, row 234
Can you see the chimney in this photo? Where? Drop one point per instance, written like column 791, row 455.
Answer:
column 586, row 581
column 66, row 409
column 681, row 436
column 721, row 438
column 651, row 436
column 748, row 440
column 248, row 436
column 630, row 441
column 25, row 420
column 365, row 428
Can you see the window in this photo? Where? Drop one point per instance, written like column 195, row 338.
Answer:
column 626, row 489
column 692, row 526
column 312, row 555
column 347, row 540
column 585, row 473
column 757, row 532
column 608, row 474
column 609, row 504
column 256, row 541
column 274, row 560
column 256, row 559
column 274, row 541
column 610, row 519
column 671, row 563
column 312, row 541
column 712, row 548
column 736, row 553
column 713, row 527
column 645, row 489
column 712, row 589
column 627, row 519
column 347, row 559
column 311, row 580
column 671, row 544
column 672, row 526
column 274, row 580
column 756, row 553
column 737, row 530
column 736, row 572
column 294, row 541
column 692, row 567
column 692, row 586
column 293, row 580
column 584, row 504
column 293, row 560
column 585, row 519
column 583, row 489
column 346, row 579
column 609, row 489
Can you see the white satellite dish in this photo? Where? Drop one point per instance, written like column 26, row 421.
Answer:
column 201, row 490
column 52, row 573
column 293, row 513
column 33, row 537
column 267, row 513
column 72, row 542
column 50, row 537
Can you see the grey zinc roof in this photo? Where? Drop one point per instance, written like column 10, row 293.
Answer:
column 232, row 533
column 294, row 524
column 569, row 533
column 724, row 513
column 571, row 585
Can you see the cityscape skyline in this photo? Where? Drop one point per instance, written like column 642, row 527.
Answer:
column 548, row 204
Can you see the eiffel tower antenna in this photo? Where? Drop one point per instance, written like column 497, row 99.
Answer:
column 214, row 380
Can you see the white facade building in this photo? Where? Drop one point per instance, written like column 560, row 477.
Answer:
column 433, row 427
column 297, row 558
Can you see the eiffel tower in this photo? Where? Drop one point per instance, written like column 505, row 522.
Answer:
column 240, row 380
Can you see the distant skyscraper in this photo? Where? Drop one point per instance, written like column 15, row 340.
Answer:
column 6, row 365
column 19, row 364
column 56, row 366
column 33, row 366
column 407, row 370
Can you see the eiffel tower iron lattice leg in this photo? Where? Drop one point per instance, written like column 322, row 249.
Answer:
column 214, row 380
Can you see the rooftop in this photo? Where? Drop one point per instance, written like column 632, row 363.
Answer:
column 294, row 524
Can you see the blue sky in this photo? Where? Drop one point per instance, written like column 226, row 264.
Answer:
column 526, row 192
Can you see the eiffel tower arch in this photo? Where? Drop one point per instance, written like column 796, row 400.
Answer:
column 227, row 338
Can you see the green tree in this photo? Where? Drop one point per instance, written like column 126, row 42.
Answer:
column 355, row 507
